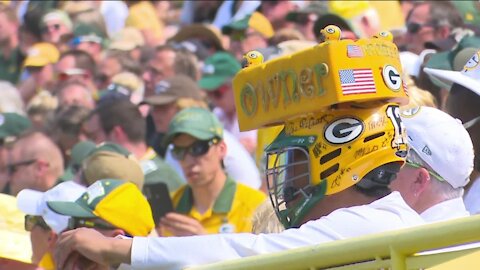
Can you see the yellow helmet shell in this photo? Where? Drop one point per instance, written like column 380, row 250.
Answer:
column 349, row 143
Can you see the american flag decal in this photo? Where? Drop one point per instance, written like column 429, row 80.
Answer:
column 354, row 51
column 357, row 81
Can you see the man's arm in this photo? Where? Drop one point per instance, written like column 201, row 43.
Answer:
column 93, row 246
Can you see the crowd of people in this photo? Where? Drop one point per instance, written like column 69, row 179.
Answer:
column 120, row 135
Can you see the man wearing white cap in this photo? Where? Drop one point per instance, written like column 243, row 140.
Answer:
column 462, row 103
column 438, row 165
column 44, row 224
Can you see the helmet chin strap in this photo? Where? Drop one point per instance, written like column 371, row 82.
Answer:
column 302, row 208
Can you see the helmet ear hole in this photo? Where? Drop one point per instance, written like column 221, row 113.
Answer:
column 378, row 179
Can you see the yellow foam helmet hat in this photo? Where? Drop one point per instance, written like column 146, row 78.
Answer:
column 311, row 80
column 319, row 154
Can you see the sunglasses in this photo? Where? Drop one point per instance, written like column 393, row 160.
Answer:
column 413, row 28
column 32, row 221
column 12, row 168
column 196, row 149
column 74, row 223
column 54, row 27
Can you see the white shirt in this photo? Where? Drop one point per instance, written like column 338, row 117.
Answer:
column 114, row 13
column 472, row 198
column 454, row 208
column 388, row 213
column 238, row 163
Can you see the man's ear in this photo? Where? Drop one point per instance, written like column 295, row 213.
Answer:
column 422, row 181
column 222, row 148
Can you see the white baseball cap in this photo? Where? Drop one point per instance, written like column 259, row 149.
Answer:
column 33, row 202
column 468, row 77
column 442, row 142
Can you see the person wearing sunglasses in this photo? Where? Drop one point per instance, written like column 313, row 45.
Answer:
column 438, row 164
column 55, row 24
column 36, row 162
column 428, row 21
column 249, row 33
column 462, row 103
column 218, row 72
column 43, row 224
column 114, row 208
column 211, row 202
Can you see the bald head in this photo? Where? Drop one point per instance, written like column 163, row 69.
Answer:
column 37, row 163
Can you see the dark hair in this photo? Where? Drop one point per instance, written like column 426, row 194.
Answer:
column 125, row 114
column 69, row 120
column 83, row 60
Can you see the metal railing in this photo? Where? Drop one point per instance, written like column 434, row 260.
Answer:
column 397, row 250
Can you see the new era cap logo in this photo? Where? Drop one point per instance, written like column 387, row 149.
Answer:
column 427, row 151
column 162, row 87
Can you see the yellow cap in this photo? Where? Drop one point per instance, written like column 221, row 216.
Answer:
column 41, row 54
column 348, row 9
column 261, row 24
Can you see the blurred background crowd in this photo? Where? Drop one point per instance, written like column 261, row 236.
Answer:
column 88, row 91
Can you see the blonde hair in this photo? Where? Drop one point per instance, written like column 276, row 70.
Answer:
column 418, row 97
column 265, row 220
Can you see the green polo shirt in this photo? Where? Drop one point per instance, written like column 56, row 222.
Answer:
column 232, row 211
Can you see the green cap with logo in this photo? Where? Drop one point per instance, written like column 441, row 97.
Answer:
column 196, row 122
column 454, row 59
column 12, row 125
column 217, row 70
column 117, row 202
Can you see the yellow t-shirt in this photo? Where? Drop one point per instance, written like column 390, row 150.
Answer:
column 232, row 212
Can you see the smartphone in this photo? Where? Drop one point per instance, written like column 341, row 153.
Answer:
column 159, row 199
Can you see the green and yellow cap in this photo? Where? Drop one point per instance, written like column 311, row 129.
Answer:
column 257, row 21
column 196, row 122
column 217, row 70
column 117, row 202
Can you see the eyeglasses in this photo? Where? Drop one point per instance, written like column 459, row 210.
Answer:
column 32, row 221
column 219, row 92
column 12, row 168
column 48, row 28
column 196, row 149
column 74, row 223
column 416, row 165
column 413, row 28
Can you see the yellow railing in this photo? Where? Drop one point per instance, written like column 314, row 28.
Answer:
column 397, row 250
